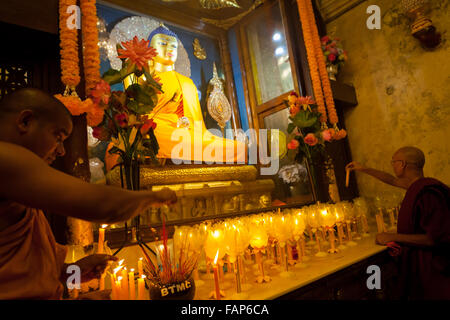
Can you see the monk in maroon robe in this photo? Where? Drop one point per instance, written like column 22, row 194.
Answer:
column 33, row 127
column 423, row 229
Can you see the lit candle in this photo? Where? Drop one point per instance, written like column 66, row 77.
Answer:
column 140, row 268
column 141, row 288
column 216, row 276
column 131, row 284
column 125, row 294
column 101, row 238
column 347, row 177
column 113, row 288
column 102, row 281
column 119, row 288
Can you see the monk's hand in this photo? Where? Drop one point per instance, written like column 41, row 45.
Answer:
column 95, row 295
column 93, row 266
column 356, row 166
column 165, row 196
column 384, row 237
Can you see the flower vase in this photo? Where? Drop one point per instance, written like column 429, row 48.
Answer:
column 332, row 70
column 130, row 179
column 184, row 290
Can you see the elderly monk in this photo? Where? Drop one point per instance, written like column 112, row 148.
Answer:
column 33, row 127
column 423, row 228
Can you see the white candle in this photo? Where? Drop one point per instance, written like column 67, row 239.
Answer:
column 101, row 238
column 216, row 277
column 131, row 284
column 141, row 288
column 125, row 294
column 140, row 268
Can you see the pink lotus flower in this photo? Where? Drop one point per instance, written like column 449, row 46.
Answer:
column 326, row 135
column 293, row 144
column 138, row 52
column 121, row 119
column 331, row 57
column 305, row 100
column 311, row 139
column 101, row 93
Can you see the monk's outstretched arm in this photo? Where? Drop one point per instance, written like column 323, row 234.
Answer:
column 27, row 179
column 380, row 175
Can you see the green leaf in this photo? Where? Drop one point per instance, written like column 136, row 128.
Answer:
column 290, row 127
column 112, row 76
column 151, row 82
column 304, row 119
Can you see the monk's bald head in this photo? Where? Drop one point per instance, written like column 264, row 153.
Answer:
column 43, row 105
column 412, row 155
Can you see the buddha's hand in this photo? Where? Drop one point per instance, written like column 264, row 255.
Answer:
column 356, row 166
column 165, row 196
column 93, row 266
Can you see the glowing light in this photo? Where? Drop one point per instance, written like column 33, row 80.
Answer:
column 276, row 36
column 279, row 51
column 217, row 256
column 104, row 226
column 324, row 212
column 216, row 234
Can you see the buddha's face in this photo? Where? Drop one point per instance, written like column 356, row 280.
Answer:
column 167, row 48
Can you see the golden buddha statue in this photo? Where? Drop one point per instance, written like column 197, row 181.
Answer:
column 179, row 108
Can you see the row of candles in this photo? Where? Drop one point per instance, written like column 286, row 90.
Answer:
column 277, row 236
column 123, row 283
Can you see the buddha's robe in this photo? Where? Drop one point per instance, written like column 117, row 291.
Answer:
column 180, row 98
column 425, row 271
column 31, row 261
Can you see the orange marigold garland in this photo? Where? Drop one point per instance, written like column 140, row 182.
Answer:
column 70, row 73
column 91, row 56
column 332, row 115
column 312, row 62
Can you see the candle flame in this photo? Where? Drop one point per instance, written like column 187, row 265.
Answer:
column 216, row 234
column 143, row 276
column 104, row 226
column 234, row 227
column 121, row 261
column 282, row 218
column 161, row 247
column 217, row 256
column 324, row 212
column 132, row 270
column 119, row 278
column 140, row 258
column 296, row 221
column 117, row 269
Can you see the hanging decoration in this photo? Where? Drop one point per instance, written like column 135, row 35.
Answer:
column 70, row 71
column 89, row 33
column 218, row 106
column 321, row 83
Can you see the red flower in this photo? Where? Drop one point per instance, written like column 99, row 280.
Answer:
column 331, row 57
column 293, row 110
column 293, row 144
column 101, row 133
column 101, row 93
column 148, row 123
column 326, row 135
column 121, row 119
column 325, row 39
column 138, row 52
column 311, row 139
